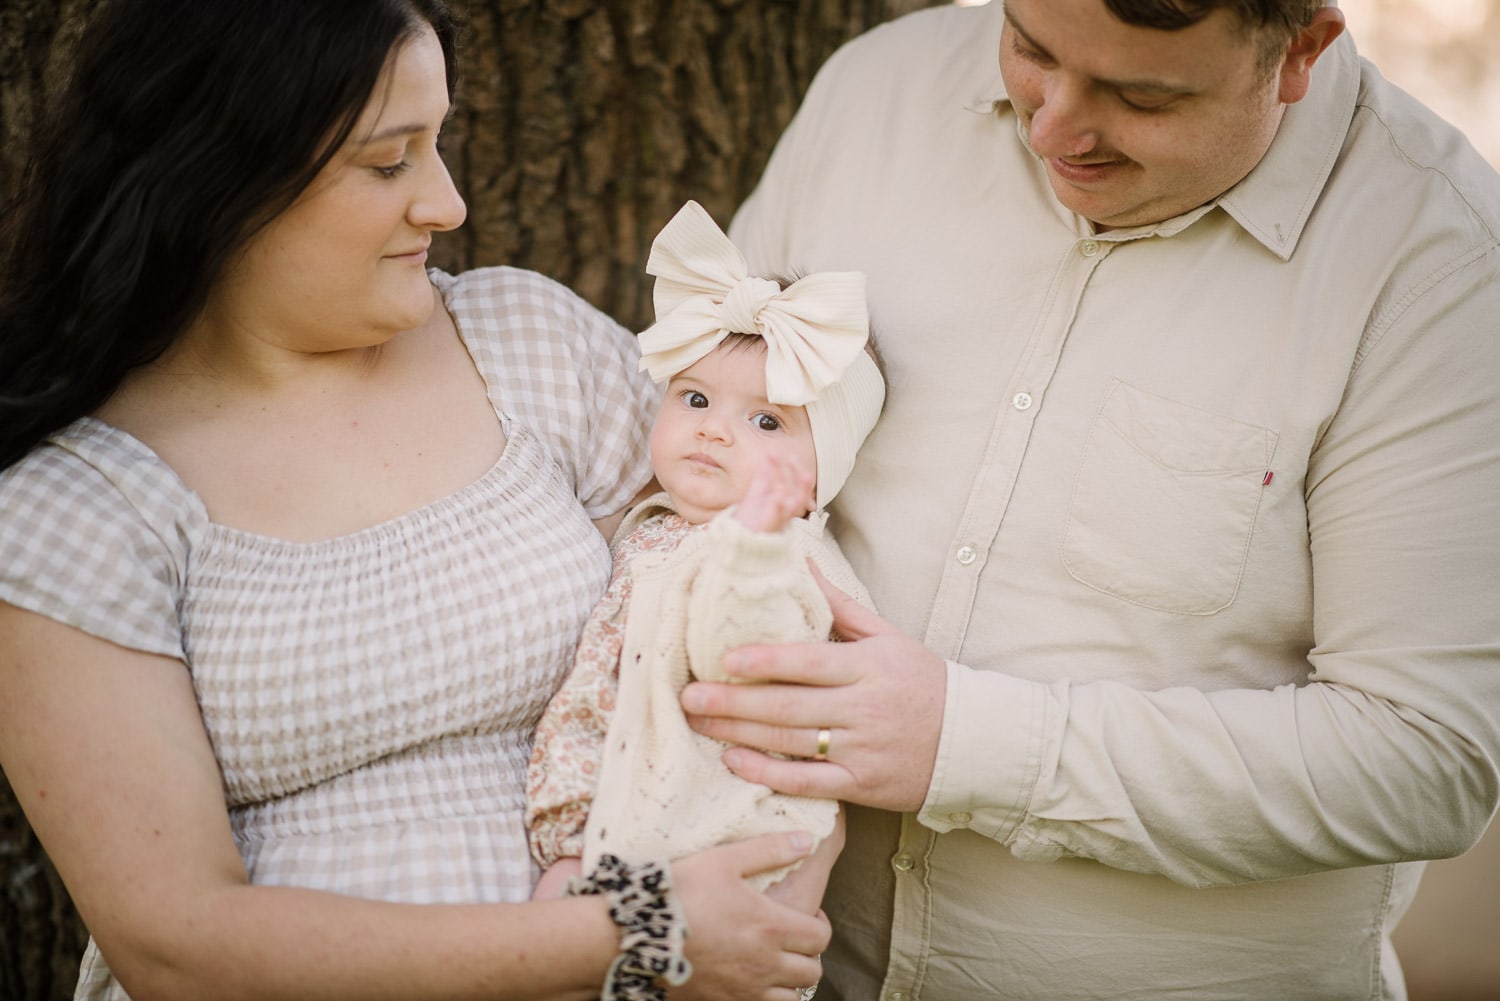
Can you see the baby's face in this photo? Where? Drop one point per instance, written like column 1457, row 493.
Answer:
column 714, row 427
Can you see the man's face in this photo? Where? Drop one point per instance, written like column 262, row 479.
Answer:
column 1136, row 125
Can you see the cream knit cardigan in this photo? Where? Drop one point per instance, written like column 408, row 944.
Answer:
column 663, row 790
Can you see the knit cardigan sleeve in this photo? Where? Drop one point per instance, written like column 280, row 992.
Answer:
column 754, row 587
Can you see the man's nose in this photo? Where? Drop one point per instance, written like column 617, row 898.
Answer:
column 1064, row 124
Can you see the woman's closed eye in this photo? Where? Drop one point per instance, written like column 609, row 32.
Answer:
column 393, row 170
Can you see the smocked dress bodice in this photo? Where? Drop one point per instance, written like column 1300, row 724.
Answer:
column 370, row 698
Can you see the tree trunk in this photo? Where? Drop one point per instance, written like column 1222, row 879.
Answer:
column 579, row 128
column 583, row 126
column 41, row 938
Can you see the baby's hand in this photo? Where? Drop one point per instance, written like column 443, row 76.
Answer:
column 778, row 492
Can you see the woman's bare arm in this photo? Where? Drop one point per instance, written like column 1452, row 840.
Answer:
column 108, row 756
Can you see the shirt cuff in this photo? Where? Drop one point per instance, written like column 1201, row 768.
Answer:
column 996, row 729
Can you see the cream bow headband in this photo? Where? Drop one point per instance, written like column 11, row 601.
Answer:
column 815, row 332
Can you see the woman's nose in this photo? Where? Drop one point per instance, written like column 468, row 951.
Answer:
column 438, row 205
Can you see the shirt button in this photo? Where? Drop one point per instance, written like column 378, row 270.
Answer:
column 1088, row 248
column 1021, row 401
column 903, row 861
column 896, row 996
column 961, row 817
column 966, row 555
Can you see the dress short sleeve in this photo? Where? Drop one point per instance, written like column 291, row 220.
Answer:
column 95, row 535
column 565, row 370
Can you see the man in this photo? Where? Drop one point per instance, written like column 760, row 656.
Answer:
column 1182, row 513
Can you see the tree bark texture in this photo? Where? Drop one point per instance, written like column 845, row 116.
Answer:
column 583, row 126
column 41, row 938
column 579, row 128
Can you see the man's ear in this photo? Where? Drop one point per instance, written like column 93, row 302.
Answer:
column 1295, row 74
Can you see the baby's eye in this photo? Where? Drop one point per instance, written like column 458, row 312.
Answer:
column 767, row 422
column 695, row 399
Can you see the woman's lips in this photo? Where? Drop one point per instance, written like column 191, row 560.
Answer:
column 412, row 257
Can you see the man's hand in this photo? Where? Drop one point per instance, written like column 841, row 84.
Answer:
column 879, row 696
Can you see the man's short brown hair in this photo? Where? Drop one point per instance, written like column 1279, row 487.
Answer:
column 1274, row 22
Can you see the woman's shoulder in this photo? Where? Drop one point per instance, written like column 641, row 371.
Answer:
column 508, row 298
column 96, row 533
column 562, row 368
column 463, row 285
column 523, row 326
column 95, row 467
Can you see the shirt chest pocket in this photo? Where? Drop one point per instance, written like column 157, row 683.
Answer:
column 1164, row 503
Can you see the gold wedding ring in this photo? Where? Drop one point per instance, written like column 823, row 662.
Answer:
column 825, row 741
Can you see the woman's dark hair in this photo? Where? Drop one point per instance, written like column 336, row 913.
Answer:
column 186, row 127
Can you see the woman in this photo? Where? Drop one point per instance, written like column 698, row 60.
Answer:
column 293, row 552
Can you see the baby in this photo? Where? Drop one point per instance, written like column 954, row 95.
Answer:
column 770, row 392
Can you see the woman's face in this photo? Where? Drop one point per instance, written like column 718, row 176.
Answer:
column 345, row 265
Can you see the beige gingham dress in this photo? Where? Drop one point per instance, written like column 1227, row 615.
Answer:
column 370, row 698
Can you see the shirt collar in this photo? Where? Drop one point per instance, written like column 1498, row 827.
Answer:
column 1272, row 203
column 1274, row 200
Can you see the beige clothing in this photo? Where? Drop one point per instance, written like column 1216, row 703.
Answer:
column 1211, row 522
column 614, row 746
column 370, row 698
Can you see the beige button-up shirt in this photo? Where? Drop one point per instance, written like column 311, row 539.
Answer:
column 1205, row 517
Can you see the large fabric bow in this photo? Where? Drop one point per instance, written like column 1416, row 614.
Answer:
column 813, row 330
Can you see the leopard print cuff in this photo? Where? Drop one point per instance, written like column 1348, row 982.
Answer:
column 652, row 928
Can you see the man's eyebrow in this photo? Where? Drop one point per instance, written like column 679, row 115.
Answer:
column 1015, row 26
column 1143, row 85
